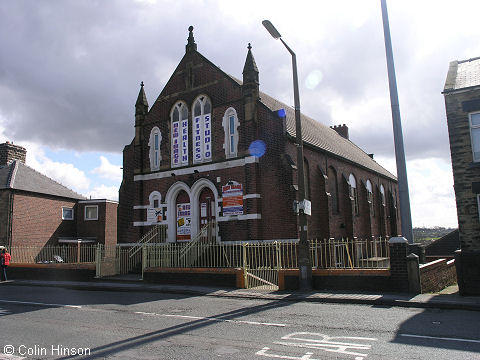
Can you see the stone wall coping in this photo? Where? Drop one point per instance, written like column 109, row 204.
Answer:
column 398, row 240
column 432, row 263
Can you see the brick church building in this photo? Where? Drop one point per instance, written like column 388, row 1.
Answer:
column 212, row 147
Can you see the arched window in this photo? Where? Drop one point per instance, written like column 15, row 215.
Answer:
column 371, row 204
column 230, row 126
column 382, row 195
column 306, row 176
column 154, row 148
column 202, row 129
column 333, row 188
column 179, row 119
column 352, row 182
column 154, row 199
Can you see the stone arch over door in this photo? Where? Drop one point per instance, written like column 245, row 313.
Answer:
column 196, row 190
column 171, row 200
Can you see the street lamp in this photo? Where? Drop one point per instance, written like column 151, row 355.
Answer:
column 304, row 263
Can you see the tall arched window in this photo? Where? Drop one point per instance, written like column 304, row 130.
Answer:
column 382, row 194
column 371, row 205
column 306, row 176
column 202, row 129
column 333, row 188
column 230, row 125
column 179, row 120
column 352, row 182
column 154, row 148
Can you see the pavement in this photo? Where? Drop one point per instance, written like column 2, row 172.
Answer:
column 448, row 298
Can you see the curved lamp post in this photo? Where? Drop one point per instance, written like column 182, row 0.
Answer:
column 304, row 262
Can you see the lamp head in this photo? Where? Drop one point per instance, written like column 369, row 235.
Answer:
column 271, row 29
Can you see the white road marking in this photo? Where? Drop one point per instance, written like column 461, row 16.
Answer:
column 39, row 304
column 320, row 342
column 210, row 318
column 441, row 338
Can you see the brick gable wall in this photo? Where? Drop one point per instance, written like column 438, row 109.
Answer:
column 37, row 219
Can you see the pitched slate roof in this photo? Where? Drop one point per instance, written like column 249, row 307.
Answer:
column 322, row 136
column 16, row 175
column 463, row 74
column 325, row 138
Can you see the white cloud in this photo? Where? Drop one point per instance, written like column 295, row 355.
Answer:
column 430, row 183
column 108, row 170
column 104, row 192
column 64, row 173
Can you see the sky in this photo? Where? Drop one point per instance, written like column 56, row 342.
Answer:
column 70, row 74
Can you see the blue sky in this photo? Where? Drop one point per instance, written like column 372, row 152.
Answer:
column 70, row 74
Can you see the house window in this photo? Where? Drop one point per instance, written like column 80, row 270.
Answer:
column 202, row 130
column 475, row 135
column 179, row 120
column 67, row 213
column 154, row 144
column 353, row 193
column 230, row 126
column 91, row 212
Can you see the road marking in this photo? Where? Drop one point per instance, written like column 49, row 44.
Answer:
column 210, row 318
column 39, row 304
column 320, row 342
column 441, row 338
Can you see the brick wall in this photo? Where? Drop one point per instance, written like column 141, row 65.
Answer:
column 5, row 216
column 37, row 219
column 436, row 275
column 104, row 229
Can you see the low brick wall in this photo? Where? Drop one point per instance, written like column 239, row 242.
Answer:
column 438, row 274
column 65, row 272
column 232, row 278
column 339, row 279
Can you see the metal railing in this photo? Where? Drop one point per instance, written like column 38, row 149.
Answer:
column 325, row 254
column 158, row 234
column 53, row 254
column 350, row 254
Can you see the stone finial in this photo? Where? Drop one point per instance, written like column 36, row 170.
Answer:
column 191, row 46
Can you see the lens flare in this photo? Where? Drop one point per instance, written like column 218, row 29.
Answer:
column 257, row 148
column 313, row 79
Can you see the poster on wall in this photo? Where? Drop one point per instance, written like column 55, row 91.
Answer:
column 154, row 215
column 184, row 220
column 232, row 195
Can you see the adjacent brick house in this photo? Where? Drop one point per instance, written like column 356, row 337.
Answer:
column 37, row 211
column 462, row 103
column 214, row 147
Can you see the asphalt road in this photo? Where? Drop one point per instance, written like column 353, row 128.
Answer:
column 47, row 322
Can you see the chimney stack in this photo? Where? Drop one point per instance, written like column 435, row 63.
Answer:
column 342, row 130
column 10, row 152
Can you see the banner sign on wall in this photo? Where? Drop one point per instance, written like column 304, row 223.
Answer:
column 175, row 144
column 202, row 138
column 184, row 142
column 184, row 220
column 232, row 197
column 154, row 215
column 207, row 138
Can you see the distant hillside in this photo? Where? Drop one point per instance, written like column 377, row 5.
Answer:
column 429, row 234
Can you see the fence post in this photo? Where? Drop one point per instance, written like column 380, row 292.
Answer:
column 144, row 259
column 245, row 264
column 98, row 261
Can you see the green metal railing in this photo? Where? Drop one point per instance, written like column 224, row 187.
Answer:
column 53, row 254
